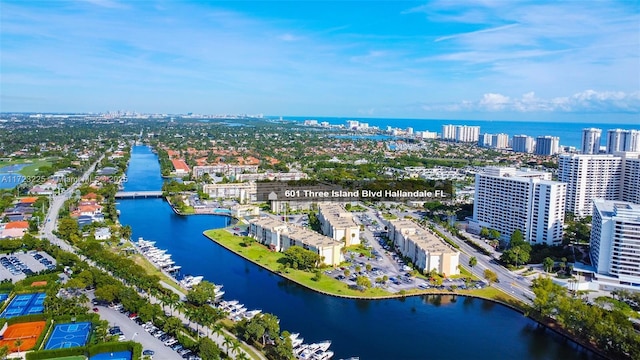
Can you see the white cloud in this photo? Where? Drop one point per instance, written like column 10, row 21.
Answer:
column 585, row 101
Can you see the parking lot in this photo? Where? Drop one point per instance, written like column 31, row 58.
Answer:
column 385, row 262
column 17, row 266
column 126, row 329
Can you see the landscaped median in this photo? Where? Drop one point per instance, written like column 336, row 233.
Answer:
column 272, row 260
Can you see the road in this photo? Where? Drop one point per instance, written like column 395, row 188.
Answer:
column 56, row 204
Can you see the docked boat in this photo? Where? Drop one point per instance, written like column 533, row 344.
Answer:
column 190, row 281
column 251, row 313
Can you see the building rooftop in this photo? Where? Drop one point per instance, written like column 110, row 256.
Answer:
column 297, row 233
column 337, row 215
column 611, row 208
column 424, row 238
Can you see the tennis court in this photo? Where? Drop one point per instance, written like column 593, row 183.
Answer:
column 120, row 355
column 69, row 335
column 27, row 332
column 3, row 297
column 25, row 304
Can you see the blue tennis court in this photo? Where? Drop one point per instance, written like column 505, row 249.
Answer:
column 120, row 355
column 69, row 335
column 25, row 304
column 3, row 297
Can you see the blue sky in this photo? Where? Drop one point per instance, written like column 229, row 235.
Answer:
column 520, row 60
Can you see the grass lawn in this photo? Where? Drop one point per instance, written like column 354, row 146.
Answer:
column 77, row 357
column 32, row 169
column 152, row 270
column 388, row 216
column 269, row 259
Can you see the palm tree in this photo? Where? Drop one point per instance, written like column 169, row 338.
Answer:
column 235, row 346
column 242, row 356
column 227, row 342
column 18, row 343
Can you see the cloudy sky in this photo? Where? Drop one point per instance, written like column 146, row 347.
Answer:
column 499, row 60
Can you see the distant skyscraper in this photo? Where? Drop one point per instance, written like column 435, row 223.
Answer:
column 484, row 140
column 630, row 177
column 448, row 132
column 615, row 238
column 460, row 133
column 506, row 200
column 632, row 141
column 615, row 141
column 522, row 143
column 623, row 140
column 547, row 145
column 500, row 141
column 591, row 140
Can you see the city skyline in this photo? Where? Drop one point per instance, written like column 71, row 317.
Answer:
column 475, row 61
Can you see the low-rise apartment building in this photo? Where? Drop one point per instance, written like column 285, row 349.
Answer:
column 279, row 236
column 425, row 249
column 337, row 223
column 244, row 192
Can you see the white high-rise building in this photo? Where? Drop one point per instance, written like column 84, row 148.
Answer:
column 605, row 176
column 522, row 143
column 500, row 141
column 630, row 177
column 623, row 140
column 589, row 177
column 591, row 140
column 615, row 241
column 547, row 145
column 485, row 140
column 615, row 140
column 632, row 141
column 466, row 133
column 506, row 200
column 460, row 133
column 448, row 132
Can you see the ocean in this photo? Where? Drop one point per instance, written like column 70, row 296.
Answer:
column 570, row 134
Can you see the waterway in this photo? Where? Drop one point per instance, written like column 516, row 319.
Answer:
column 425, row 327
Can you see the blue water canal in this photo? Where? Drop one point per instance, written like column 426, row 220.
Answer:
column 428, row 327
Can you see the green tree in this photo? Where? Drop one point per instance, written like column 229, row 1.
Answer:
column 347, row 272
column 300, row 258
column 68, row 229
column 208, row 349
column 484, row 233
column 363, row 282
column 172, row 325
column 473, row 261
column 548, row 263
column 108, row 293
column 490, row 276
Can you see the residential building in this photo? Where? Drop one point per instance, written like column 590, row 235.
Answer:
column 604, row 176
column 448, row 132
column 227, row 170
column 547, row 145
column 279, row 236
column 425, row 249
column 522, row 143
column 615, row 241
column 630, row 177
column 591, row 140
column 289, row 176
column 484, row 140
column 337, row 223
column 244, row 192
column 461, row 133
column 506, row 199
column 500, row 141
column 623, row 140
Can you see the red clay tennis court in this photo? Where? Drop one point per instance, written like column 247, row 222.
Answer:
column 28, row 332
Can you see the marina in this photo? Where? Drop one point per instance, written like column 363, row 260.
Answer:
column 351, row 324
